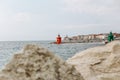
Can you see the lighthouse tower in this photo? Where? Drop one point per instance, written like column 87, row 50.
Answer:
column 58, row 39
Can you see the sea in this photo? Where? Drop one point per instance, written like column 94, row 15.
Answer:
column 65, row 51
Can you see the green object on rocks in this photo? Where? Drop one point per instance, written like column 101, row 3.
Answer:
column 110, row 37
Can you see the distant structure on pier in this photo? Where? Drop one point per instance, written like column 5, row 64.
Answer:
column 110, row 37
column 58, row 39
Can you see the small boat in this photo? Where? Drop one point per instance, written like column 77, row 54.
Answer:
column 105, row 42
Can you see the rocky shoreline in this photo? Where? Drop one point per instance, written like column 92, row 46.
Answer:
column 99, row 63
column 38, row 63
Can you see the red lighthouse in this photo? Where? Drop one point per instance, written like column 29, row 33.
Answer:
column 58, row 39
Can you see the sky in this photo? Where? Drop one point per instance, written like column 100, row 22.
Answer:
column 45, row 19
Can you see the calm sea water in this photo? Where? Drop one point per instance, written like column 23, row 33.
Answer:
column 65, row 51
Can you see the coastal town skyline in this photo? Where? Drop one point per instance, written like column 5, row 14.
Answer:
column 102, row 37
column 45, row 19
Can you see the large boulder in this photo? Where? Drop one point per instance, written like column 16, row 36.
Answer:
column 38, row 63
column 99, row 63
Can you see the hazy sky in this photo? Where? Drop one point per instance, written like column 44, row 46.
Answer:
column 44, row 19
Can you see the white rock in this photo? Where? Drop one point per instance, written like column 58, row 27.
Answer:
column 99, row 63
column 38, row 63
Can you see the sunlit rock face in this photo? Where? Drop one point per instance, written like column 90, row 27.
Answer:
column 38, row 63
column 99, row 63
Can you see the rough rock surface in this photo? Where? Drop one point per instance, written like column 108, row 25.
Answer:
column 38, row 63
column 99, row 63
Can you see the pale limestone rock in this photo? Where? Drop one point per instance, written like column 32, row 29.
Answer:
column 38, row 63
column 99, row 63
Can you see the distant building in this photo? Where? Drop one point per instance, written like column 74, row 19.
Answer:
column 116, row 35
column 102, row 36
